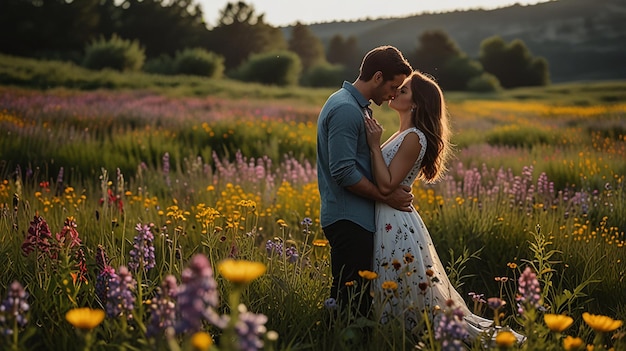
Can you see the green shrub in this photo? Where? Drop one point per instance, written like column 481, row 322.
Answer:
column 280, row 68
column 199, row 62
column 519, row 136
column 325, row 75
column 163, row 64
column 485, row 83
column 115, row 53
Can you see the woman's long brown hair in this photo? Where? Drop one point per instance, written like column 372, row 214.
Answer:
column 431, row 117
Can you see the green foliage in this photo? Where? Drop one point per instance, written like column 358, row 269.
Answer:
column 346, row 52
column 457, row 72
column 18, row 71
column 115, row 53
column 519, row 136
column 163, row 64
column 513, row 63
column 280, row 68
column 484, row 83
column 242, row 33
column 199, row 62
column 325, row 75
column 440, row 56
column 308, row 47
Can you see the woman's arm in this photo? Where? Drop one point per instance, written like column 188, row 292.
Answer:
column 388, row 178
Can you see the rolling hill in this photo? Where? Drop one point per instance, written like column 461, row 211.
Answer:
column 581, row 39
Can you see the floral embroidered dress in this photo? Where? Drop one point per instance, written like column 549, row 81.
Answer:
column 404, row 254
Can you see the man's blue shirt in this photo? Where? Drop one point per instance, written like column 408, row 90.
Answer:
column 343, row 158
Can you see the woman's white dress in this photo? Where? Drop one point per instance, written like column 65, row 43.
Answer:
column 404, row 253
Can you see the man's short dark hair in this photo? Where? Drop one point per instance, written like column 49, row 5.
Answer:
column 387, row 59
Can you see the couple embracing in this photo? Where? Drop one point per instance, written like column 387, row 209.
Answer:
column 365, row 188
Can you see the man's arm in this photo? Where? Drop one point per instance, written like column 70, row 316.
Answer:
column 400, row 199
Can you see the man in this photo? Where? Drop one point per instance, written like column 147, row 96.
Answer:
column 347, row 193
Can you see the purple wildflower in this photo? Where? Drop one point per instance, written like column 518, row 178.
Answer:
column 274, row 248
column 529, row 289
column 142, row 254
column 451, row 329
column 495, row 303
column 292, row 254
column 197, row 296
column 120, row 298
column 13, row 309
column 249, row 328
column 38, row 237
column 102, row 283
column 163, row 306
column 330, row 303
column 102, row 260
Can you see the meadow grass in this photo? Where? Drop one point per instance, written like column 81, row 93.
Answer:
column 534, row 184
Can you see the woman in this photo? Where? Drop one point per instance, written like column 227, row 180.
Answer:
column 403, row 250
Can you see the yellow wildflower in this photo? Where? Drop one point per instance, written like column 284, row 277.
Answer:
column 201, row 341
column 389, row 285
column 85, row 318
column 571, row 343
column 600, row 323
column 505, row 339
column 369, row 275
column 320, row 242
column 558, row 322
column 240, row 271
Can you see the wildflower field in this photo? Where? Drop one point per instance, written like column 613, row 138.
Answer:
column 134, row 220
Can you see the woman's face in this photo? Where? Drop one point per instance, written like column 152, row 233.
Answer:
column 404, row 97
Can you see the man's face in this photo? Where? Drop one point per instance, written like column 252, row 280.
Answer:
column 387, row 90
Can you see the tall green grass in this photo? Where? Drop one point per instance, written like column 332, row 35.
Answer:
column 538, row 180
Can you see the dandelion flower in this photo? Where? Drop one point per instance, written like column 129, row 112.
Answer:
column 369, row 275
column 241, row 271
column 505, row 339
column 201, row 341
column 558, row 322
column 85, row 318
column 601, row 323
column 572, row 343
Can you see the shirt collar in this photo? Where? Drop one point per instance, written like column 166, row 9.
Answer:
column 360, row 99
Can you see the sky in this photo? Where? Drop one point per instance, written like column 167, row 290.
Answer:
column 286, row 12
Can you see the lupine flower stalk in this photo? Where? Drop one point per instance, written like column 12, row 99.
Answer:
column 120, row 297
column 142, row 253
column 197, row 296
column 250, row 328
column 13, row 310
column 451, row 329
column 163, row 306
column 529, row 290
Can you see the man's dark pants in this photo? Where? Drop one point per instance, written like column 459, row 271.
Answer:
column 351, row 251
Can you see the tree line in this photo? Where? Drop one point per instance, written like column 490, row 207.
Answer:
column 172, row 37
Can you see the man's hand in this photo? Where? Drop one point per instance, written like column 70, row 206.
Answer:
column 401, row 199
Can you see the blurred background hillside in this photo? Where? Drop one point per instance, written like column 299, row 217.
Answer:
column 474, row 50
column 581, row 39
